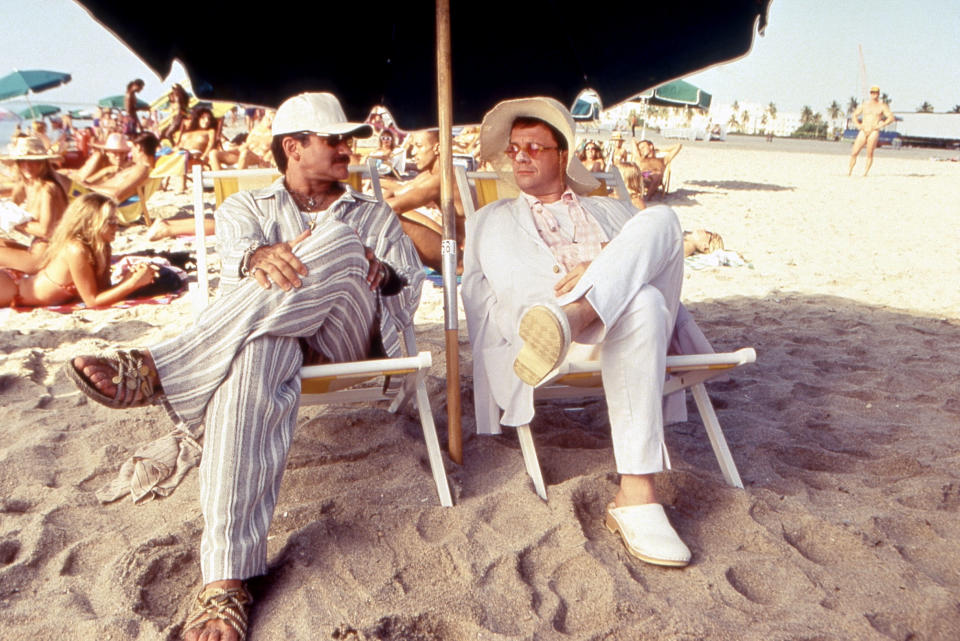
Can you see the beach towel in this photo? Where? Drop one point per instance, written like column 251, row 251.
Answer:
column 436, row 277
column 155, row 469
column 12, row 215
column 67, row 308
column 718, row 258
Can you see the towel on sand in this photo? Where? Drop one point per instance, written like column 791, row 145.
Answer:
column 156, row 468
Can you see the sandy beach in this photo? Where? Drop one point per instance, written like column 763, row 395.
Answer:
column 844, row 432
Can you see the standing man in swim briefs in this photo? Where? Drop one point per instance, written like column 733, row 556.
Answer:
column 872, row 116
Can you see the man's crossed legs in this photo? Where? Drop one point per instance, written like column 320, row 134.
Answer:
column 626, row 302
column 237, row 372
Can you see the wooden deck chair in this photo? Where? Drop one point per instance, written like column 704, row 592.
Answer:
column 579, row 379
column 130, row 210
column 582, row 378
column 397, row 380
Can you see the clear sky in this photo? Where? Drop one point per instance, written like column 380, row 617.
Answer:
column 807, row 57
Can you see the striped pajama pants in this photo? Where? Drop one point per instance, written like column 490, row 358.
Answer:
column 237, row 372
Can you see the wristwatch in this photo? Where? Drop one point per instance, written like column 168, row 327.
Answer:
column 247, row 257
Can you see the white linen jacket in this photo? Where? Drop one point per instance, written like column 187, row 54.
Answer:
column 506, row 268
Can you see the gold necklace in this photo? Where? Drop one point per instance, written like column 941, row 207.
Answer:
column 311, row 203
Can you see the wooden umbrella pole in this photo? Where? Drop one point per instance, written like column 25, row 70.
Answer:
column 449, row 246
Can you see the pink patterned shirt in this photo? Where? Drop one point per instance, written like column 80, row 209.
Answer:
column 585, row 243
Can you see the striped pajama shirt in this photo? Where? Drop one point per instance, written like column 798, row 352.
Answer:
column 236, row 370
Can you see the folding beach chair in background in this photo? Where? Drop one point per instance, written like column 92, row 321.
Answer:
column 479, row 188
column 132, row 209
column 397, row 380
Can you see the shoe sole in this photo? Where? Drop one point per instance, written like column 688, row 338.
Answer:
column 614, row 528
column 542, row 349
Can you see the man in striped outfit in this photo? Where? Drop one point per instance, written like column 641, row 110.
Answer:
column 308, row 265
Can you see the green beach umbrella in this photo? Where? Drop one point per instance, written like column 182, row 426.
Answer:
column 678, row 93
column 116, row 102
column 38, row 111
column 21, row 83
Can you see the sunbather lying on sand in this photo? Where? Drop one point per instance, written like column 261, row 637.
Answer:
column 77, row 262
column 701, row 241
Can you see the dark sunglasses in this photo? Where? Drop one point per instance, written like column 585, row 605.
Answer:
column 532, row 149
column 335, row 140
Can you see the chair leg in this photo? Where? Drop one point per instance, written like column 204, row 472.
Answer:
column 433, row 443
column 404, row 394
column 717, row 441
column 530, row 461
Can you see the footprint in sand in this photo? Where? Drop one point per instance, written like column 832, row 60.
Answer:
column 768, row 582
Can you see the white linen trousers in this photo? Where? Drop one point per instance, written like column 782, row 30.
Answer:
column 634, row 286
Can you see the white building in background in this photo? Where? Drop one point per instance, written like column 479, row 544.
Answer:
column 758, row 119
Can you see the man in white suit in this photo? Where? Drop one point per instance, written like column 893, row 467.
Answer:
column 553, row 266
column 308, row 265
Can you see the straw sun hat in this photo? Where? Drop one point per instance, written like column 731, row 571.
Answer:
column 115, row 142
column 28, row 148
column 495, row 136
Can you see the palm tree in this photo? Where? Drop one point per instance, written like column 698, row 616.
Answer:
column 834, row 111
column 732, row 123
column 852, row 105
column 885, row 98
column 925, row 108
column 772, row 110
column 806, row 115
column 744, row 119
column 955, row 110
column 736, row 105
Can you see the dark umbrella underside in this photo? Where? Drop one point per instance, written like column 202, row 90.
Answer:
column 385, row 54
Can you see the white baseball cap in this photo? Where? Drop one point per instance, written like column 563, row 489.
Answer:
column 318, row 113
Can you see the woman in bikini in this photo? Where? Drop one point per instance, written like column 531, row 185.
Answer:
column 592, row 156
column 193, row 145
column 42, row 195
column 77, row 262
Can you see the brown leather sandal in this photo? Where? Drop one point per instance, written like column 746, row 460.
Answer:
column 227, row 604
column 132, row 376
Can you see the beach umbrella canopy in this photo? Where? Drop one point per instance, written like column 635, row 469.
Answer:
column 491, row 50
column 678, row 93
column 38, row 111
column 116, row 102
column 552, row 52
column 21, row 83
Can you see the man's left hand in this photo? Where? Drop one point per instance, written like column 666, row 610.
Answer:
column 377, row 272
column 570, row 280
